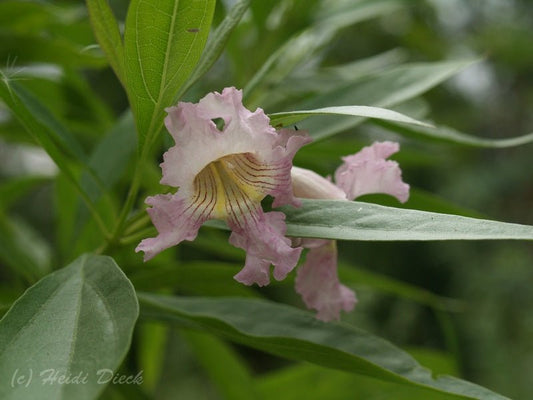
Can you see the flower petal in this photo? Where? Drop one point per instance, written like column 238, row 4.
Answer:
column 175, row 219
column 309, row 185
column 199, row 141
column 318, row 284
column 368, row 171
column 224, row 170
column 262, row 236
column 288, row 143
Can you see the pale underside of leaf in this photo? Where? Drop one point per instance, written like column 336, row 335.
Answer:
column 291, row 117
column 347, row 220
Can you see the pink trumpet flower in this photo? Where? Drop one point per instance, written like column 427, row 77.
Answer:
column 223, row 173
column 365, row 172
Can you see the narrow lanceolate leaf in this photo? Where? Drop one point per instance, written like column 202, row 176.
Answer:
column 294, row 334
column 216, row 43
column 105, row 29
column 75, row 323
column 449, row 135
column 39, row 121
column 385, row 89
column 291, row 117
column 334, row 219
column 163, row 42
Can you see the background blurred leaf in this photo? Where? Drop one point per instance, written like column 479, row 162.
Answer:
column 40, row 123
column 449, row 135
column 384, row 89
column 77, row 320
column 304, row 45
column 59, row 143
column 23, row 249
column 355, row 277
column 39, row 32
column 231, row 376
column 151, row 345
column 69, row 97
column 111, row 157
column 47, row 50
column 105, row 28
column 206, row 278
column 316, row 383
column 11, row 190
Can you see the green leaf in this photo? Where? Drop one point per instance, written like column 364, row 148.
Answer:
column 351, row 220
column 74, row 322
column 384, row 89
column 163, row 42
column 291, row 333
column 105, row 29
column 231, row 376
column 425, row 201
column 216, row 43
column 449, row 135
column 291, row 117
column 23, row 249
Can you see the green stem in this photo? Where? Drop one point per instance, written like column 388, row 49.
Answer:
column 135, row 237
column 132, row 195
column 128, row 205
column 137, row 222
column 90, row 205
column 133, row 190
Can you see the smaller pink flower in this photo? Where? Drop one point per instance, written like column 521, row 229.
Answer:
column 224, row 173
column 365, row 172
column 368, row 171
column 318, row 284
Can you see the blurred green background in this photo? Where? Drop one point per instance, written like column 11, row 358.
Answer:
column 489, row 329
